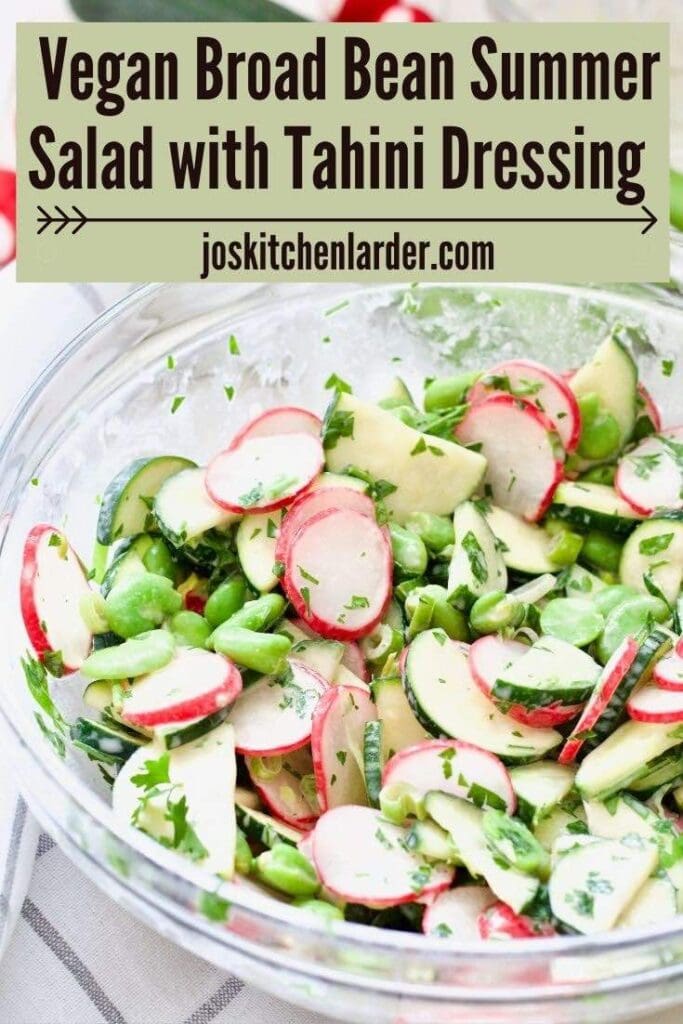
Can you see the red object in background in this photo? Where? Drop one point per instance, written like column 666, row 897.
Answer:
column 8, row 216
column 380, row 10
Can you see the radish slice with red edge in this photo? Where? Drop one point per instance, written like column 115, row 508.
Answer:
column 679, row 647
column 361, row 858
column 282, row 792
column 264, row 473
column 338, row 573
column 454, row 767
column 274, row 716
column 668, row 673
column 650, row 476
column 194, row 684
column 524, row 454
column 489, row 657
column 455, row 914
column 53, row 582
column 283, row 419
column 313, row 502
column 650, row 408
column 654, row 705
column 610, row 678
column 337, row 745
column 501, row 922
column 523, row 378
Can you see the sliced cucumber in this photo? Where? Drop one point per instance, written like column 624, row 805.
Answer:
column 663, row 769
column 612, row 375
column 540, row 787
column 447, row 702
column 184, row 510
column 178, row 733
column 579, row 582
column 262, row 828
column 429, row 473
column 340, row 480
column 127, row 561
column 432, row 842
column 400, row 727
column 625, row 815
column 654, row 903
column 565, row 820
column 593, row 883
column 593, row 507
column 127, row 501
column 524, row 546
column 476, row 565
column 323, row 656
column 463, row 822
column 103, row 742
column 624, row 757
column 255, row 540
column 652, row 558
column 398, row 394
column 372, row 760
column 551, row 670
column 98, row 695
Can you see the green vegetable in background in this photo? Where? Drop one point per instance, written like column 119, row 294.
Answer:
column 676, row 198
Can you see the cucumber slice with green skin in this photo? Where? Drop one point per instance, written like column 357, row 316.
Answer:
column 593, row 883
column 280, row 784
column 626, row 815
column 400, row 727
column 612, row 375
column 98, row 695
column 579, row 582
column 127, row 561
column 372, row 760
column 323, row 656
column 126, row 502
column 652, row 558
column 446, row 700
column 455, row 914
column 337, row 738
column 184, row 511
column 255, row 540
column 562, row 821
column 624, row 757
column 477, row 565
column 515, row 844
column 551, row 670
column 594, row 507
column 431, row 842
column 398, row 394
column 263, row 828
column 659, row 772
column 651, row 476
column 540, row 788
column 463, row 822
column 524, row 546
column 103, row 742
column 654, row 903
column 179, row 733
column 361, row 434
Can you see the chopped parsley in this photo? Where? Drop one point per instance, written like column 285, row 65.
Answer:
column 335, row 382
column 307, row 575
column 176, row 403
column 476, row 557
column 170, row 362
column 668, row 367
column 335, row 309
column 229, row 392
column 357, row 601
column 654, row 545
column 233, row 347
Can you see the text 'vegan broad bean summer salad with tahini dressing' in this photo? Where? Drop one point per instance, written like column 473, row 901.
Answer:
column 415, row 667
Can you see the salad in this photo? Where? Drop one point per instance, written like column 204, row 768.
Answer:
column 414, row 666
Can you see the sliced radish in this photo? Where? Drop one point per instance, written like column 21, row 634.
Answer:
column 679, row 647
column 653, row 704
column 650, row 408
column 668, row 673
column 489, row 657
column 264, row 473
column 274, row 716
column 501, row 922
column 454, row 767
column 281, row 790
column 612, row 675
column 338, row 573
column 650, row 476
column 305, row 844
column 283, row 419
column 455, row 914
column 194, row 684
column 337, row 745
column 524, row 454
column 355, row 662
column 545, row 389
column 53, row 582
column 362, row 858
column 313, row 502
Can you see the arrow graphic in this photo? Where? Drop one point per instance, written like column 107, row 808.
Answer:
column 61, row 220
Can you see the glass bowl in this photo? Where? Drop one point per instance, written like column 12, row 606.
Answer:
column 106, row 399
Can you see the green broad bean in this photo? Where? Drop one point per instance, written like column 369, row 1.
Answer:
column 512, row 841
column 399, row 801
column 322, row 909
column 226, row 600
column 140, row 603
column 607, row 599
column 565, row 549
column 158, row 559
column 600, row 475
column 258, row 615
column 143, row 653
column 436, row 532
column 244, row 858
column 446, row 392
column 286, row 869
column 262, row 652
column 572, row 619
column 190, row 629
column 409, row 551
column 601, row 551
column 600, row 434
column 94, row 612
column 496, row 611
column 383, row 641
column 632, row 617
